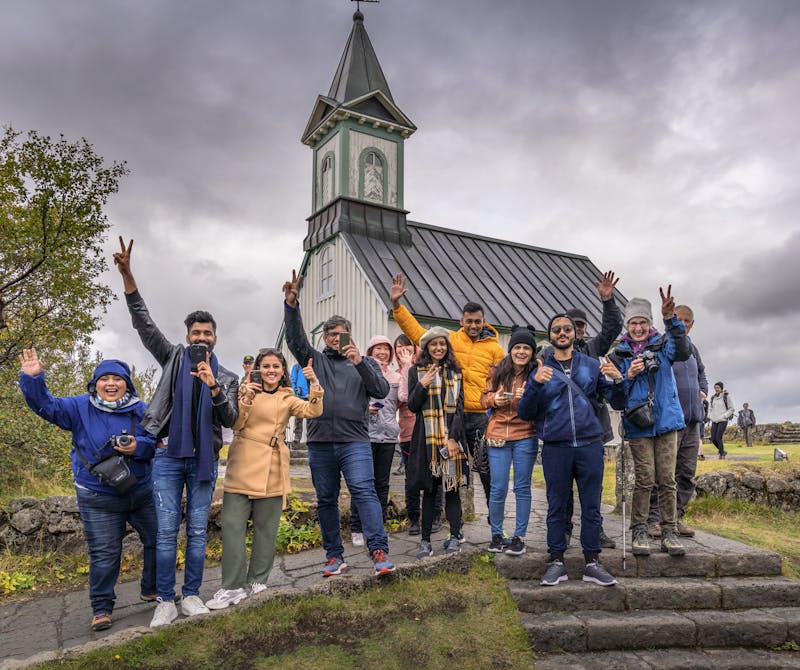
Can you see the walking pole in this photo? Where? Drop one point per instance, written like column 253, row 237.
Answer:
column 624, row 486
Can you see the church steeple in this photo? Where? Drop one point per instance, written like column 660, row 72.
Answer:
column 357, row 131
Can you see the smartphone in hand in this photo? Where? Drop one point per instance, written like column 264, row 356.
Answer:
column 344, row 340
column 197, row 354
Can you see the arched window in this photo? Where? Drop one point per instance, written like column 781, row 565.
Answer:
column 327, row 179
column 373, row 177
column 326, row 272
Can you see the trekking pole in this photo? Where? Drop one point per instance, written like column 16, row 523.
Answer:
column 624, row 486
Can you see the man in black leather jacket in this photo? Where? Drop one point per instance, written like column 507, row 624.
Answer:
column 187, row 412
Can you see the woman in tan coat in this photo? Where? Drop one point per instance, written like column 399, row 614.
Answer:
column 257, row 475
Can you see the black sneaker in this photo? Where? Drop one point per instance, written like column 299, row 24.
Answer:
column 597, row 574
column 517, row 547
column 555, row 574
column 606, row 542
column 414, row 529
column 496, row 545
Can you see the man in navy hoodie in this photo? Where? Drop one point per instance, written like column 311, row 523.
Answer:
column 561, row 397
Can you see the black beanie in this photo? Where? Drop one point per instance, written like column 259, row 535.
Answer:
column 522, row 335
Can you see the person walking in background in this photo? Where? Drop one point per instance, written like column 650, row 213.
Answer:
column 437, row 458
column 510, row 440
column 383, row 432
column 257, row 479
column 720, row 411
column 746, row 421
column 105, row 422
column 300, row 388
column 247, row 365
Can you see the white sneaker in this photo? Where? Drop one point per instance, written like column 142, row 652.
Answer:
column 192, row 605
column 257, row 588
column 165, row 613
column 358, row 539
column 225, row 597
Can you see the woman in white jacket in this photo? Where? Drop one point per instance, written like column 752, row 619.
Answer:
column 720, row 411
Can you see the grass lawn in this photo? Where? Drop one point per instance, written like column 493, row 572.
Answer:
column 467, row 621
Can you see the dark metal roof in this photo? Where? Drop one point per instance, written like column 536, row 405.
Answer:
column 359, row 71
column 515, row 283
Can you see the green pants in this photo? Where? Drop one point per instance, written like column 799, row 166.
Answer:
column 654, row 463
column 236, row 510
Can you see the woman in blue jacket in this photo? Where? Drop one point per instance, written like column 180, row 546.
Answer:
column 109, row 410
column 645, row 358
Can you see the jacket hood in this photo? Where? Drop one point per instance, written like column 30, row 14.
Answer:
column 112, row 366
column 381, row 339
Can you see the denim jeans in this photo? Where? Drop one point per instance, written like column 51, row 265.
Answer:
column 170, row 477
column 104, row 518
column 328, row 462
column 522, row 453
column 382, row 457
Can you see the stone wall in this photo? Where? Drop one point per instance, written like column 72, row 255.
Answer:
column 780, row 490
column 763, row 432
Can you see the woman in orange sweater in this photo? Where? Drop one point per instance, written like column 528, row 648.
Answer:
column 509, row 439
column 257, row 475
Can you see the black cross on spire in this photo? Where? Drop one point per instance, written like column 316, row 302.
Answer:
column 358, row 3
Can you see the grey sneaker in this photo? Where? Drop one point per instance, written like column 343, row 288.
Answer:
column 225, row 598
column 606, row 542
column 640, row 544
column 671, row 544
column 425, row 549
column 452, row 545
column 555, row 574
column 597, row 574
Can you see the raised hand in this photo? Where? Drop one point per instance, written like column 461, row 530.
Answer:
column 667, row 303
column 397, row 290
column 291, row 289
column 429, row 377
column 122, row 258
column 404, row 356
column 30, row 362
column 309, row 374
column 544, row 373
column 605, row 287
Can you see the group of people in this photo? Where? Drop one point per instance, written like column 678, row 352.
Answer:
column 449, row 398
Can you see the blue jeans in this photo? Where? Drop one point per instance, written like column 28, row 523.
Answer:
column 522, row 453
column 328, row 462
column 104, row 517
column 170, row 477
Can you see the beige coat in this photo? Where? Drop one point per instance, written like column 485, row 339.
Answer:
column 258, row 458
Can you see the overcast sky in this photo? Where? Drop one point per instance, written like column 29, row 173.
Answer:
column 658, row 138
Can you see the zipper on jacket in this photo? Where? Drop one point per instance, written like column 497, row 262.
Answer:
column 571, row 408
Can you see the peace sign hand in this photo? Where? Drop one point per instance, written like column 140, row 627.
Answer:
column 122, row 258
column 429, row 376
column 667, row 303
column 291, row 289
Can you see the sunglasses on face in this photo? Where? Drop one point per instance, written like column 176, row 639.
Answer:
column 557, row 329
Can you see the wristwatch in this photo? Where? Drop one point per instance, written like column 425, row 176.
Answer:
column 214, row 387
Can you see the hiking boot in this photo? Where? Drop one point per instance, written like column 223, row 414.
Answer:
column 555, row 574
column 517, row 547
column 640, row 544
column 452, row 545
column 358, row 539
column 414, row 528
column 425, row 549
column 671, row 544
column 496, row 545
column 225, row 598
column 383, row 566
column 597, row 574
column 148, row 597
column 334, row 566
column 165, row 613
column 654, row 530
column 192, row 606
column 255, row 588
column 101, row 621
column 701, row 457
column 683, row 530
column 723, row 455
column 606, row 542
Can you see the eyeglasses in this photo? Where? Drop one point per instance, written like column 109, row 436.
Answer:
column 557, row 329
column 336, row 334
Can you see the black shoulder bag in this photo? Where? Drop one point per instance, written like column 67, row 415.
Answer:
column 643, row 415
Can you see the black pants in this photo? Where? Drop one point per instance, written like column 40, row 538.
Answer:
column 717, row 433
column 475, row 423
column 685, row 468
column 382, row 457
column 452, row 509
column 413, row 494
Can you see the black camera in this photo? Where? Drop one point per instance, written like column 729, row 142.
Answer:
column 650, row 360
column 121, row 440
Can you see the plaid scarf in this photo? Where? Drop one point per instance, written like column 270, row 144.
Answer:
column 434, row 415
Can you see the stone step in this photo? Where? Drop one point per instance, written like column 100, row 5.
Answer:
column 696, row 563
column 596, row 630
column 657, row 593
column 738, row 658
column 298, row 461
column 783, row 439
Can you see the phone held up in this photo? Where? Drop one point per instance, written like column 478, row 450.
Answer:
column 197, row 354
column 344, row 340
column 255, row 376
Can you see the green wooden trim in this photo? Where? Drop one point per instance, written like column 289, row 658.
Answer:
column 361, row 160
column 315, row 164
column 367, row 129
column 344, row 172
column 400, row 173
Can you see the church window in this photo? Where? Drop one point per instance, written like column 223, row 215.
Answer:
column 373, row 177
column 327, row 179
column 326, row 272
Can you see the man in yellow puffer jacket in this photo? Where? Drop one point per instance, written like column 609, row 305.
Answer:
column 476, row 348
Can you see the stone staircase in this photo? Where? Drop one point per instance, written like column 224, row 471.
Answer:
column 725, row 609
column 298, row 453
column 787, row 434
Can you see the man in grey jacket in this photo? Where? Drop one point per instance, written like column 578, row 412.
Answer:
column 188, row 409
column 338, row 441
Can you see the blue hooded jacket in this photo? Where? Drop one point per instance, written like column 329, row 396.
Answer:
column 91, row 427
column 564, row 417
column 670, row 348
